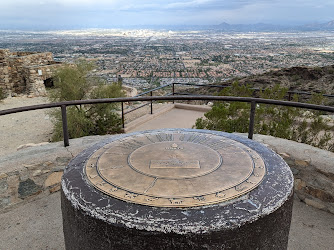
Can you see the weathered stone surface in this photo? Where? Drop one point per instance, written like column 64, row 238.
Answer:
column 320, row 194
column 4, row 202
column 315, row 203
column 320, row 181
column 35, row 159
column 13, row 180
column 24, row 174
column 3, row 186
column 3, row 176
column 55, row 188
column 37, row 173
column 329, row 175
column 315, row 169
column 62, row 162
column 53, row 179
column 31, row 145
column 330, row 208
column 299, row 184
column 294, row 171
column 302, row 163
column 284, row 155
column 28, row 188
column 33, row 166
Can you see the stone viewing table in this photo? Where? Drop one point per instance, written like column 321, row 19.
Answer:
column 177, row 189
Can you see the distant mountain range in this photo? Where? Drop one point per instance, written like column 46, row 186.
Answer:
column 258, row 27
column 250, row 27
column 271, row 27
column 322, row 26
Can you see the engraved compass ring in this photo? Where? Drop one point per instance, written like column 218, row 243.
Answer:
column 175, row 170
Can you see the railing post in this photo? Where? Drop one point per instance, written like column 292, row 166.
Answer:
column 251, row 120
column 289, row 96
column 173, row 89
column 65, row 129
column 151, row 103
column 123, row 124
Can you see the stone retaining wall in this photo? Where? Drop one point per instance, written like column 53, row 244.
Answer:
column 313, row 169
column 36, row 171
column 4, row 70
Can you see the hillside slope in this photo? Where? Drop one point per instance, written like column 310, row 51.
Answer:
column 308, row 79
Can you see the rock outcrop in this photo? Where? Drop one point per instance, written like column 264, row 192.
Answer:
column 26, row 72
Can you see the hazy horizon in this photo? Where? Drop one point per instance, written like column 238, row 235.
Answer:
column 83, row 14
column 180, row 27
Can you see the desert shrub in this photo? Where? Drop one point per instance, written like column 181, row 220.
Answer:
column 73, row 82
column 290, row 123
column 2, row 94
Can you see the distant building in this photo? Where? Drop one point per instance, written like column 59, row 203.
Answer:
column 26, row 72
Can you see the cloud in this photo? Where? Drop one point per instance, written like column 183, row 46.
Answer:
column 119, row 12
column 128, row 5
column 281, row 12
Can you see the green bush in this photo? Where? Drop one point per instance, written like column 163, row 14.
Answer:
column 290, row 123
column 73, row 82
column 2, row 94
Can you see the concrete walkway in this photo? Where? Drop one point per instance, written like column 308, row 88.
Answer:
column 38, row 224
column 175, row 118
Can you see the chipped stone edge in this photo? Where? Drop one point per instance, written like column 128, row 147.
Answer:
column 128, row 221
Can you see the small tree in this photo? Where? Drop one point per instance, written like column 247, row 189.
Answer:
column 74, row 82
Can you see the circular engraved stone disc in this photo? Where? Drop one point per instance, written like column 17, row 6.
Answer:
column 174, row 169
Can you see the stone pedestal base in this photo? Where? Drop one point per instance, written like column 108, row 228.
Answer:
column 86, row 233
column 257, row 219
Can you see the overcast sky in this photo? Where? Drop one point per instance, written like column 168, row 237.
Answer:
column 57, row 14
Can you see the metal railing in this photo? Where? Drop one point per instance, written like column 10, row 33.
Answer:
column 288, row 97
column 253, row 101
column 173, row 92
column 150, row 92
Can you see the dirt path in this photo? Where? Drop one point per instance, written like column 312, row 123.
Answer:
column 23, row 128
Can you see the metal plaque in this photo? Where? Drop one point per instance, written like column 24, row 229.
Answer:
column 175, row 169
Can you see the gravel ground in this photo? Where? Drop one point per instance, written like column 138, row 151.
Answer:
column 25, row 127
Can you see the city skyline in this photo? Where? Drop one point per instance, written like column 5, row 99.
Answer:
column 68, row 14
